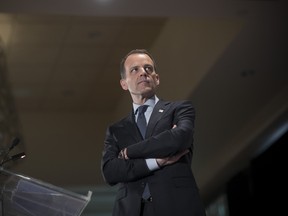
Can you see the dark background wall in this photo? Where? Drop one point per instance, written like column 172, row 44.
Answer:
column 259, row 189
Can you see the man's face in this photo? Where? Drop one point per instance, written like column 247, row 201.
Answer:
column 141, row 79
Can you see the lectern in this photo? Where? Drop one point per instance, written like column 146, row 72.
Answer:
column 25, row 196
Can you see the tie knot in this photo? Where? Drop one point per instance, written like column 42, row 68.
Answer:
column 142, row 109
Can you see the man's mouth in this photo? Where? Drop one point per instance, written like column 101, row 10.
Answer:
column 143, row 81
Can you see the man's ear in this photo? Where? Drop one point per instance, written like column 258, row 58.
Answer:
column 157, row 79
column 123, row 84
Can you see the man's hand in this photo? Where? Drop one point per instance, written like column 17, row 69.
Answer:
column 123, row 154
column 170, row 160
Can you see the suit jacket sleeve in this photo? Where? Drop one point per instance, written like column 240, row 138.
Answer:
column 115, row 170
column 165, row 141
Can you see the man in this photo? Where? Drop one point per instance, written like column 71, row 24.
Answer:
column 157, row 163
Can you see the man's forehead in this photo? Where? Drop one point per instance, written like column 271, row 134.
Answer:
column 137, row 58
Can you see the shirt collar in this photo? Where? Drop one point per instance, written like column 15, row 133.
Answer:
column 150, row 102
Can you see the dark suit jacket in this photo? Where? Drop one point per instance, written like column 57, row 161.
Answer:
column 173, row 187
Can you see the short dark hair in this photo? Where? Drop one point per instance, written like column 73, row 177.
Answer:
column 135, row 51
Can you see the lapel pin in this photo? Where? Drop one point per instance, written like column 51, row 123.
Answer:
column 161, row 110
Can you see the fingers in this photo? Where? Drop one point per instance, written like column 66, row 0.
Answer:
column 161, row 161
column 120, row 155
column 175, row 158
column 184, row 152
column 123, row 154
column 180, row 154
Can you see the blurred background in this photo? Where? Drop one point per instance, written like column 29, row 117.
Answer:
column 59, row 90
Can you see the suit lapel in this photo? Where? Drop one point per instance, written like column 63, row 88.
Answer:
column 160, row 110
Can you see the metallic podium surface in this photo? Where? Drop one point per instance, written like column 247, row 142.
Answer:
column 24, row 196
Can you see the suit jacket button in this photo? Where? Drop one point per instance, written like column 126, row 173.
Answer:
column 142, row 184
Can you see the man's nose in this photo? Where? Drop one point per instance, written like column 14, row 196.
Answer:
column 143, row 72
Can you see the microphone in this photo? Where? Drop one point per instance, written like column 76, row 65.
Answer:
column 14, row 158
column 14, row 143
column 18, row 156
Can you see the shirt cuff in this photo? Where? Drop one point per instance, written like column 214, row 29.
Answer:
column 152, row 164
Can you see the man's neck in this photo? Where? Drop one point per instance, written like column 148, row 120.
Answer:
column 140, row 99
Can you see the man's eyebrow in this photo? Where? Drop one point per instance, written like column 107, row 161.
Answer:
column 134, row 67
column 145, row 65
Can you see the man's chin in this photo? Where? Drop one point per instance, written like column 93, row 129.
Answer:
column 148, row 92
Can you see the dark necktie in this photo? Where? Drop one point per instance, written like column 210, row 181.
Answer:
column 142, row 125
column 141, row 120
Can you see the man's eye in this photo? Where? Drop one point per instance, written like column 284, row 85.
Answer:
column 149, row 69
